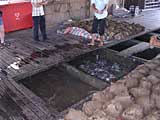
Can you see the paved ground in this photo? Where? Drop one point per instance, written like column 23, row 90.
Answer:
column 149, row 19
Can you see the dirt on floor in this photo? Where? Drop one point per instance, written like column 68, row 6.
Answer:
column 115, row 30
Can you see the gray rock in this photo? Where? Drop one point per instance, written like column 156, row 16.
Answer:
column 145, row 84
column 151, row 65
column 156, row 98
column 156, row 89
column 131, row 83
column 153, row 116
column 147, row 103
column 125, row 101
column 118, row 89
column 114, row 109
column 134, row 112
column 139, row 92
column 89, row 108
column 153, row 79
column 75, row 115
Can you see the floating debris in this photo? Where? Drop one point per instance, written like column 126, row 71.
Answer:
column 101, row 69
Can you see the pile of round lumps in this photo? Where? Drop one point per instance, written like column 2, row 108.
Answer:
column 115, row 30
column 135, row 97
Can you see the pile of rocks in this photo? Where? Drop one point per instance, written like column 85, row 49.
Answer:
column 116, row 30
column 136, row 97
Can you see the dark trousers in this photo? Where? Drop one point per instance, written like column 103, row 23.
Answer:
column 39, row 21
column 98, row 26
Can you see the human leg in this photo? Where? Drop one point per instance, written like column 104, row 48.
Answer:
column 94, row 30
column 102, row 25
column 36, row 20
column 2, row 33
column 43, row 27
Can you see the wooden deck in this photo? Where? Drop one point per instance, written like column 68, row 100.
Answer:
column 33, row 57
column 19, row 103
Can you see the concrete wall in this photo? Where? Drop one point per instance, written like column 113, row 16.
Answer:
column 118, row 2
column 61, row 10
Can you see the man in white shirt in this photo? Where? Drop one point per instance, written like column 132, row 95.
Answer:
column 38, row 19
column 99, row 23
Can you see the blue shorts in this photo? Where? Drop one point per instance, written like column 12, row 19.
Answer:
column 1, row 22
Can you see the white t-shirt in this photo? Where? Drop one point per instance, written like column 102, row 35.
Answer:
column 100, row 5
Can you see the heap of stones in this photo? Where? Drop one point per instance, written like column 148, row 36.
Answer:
column 135, row 97
column 116, row 30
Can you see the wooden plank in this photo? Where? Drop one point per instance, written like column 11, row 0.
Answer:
column 20, row 48
column 10, row 110
column 36, row 102
column 25, row 68
column 35, row 46
column 29, row 108
column 39, row 101
column 23, row 54
column 10, row 104
column 11, row 58
column 2, row 85
column 4, row 65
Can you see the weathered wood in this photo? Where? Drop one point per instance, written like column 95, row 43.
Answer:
column 4, row 66
column 38, row 102
column 18, row 96
column 9, row 57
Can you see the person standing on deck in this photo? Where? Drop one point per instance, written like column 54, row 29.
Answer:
column 38, row 16
column 99, row 23
column 2, row 33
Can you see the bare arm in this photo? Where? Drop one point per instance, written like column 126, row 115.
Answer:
column 94, row 8
column 44, row 2
column 99, row 11
column 39, row 4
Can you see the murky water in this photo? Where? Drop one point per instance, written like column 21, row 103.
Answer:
column 123, row 45
column 148, row 54
column 102, row 69
column 105, row 65
column 58, row 89
column 157, row 31
column 144, row 38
